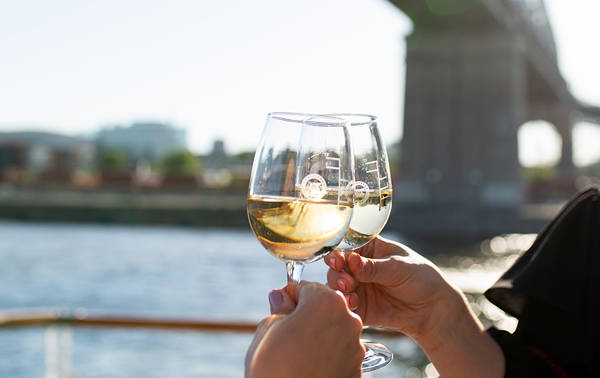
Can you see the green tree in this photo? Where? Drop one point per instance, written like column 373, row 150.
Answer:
column 112, row 160
column 244, row 156
column 181, row 163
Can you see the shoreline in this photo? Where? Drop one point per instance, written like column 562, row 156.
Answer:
column 127, row 206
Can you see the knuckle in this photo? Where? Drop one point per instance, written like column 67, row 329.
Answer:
column 332, row 277
column 356, row 322
column 395, row 261
column 337, row 300
column 369, row 268
column 354, row 325
column 306, row 288
column 398, row 264
column 321, row 296
column 334, row 303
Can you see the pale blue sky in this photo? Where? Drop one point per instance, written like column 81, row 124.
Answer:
column 216, row 68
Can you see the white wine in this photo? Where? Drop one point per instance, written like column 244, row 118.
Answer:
column 295, row 230
column 368, row 218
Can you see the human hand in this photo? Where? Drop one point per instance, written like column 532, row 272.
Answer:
column 389, row 285
column 318, row 337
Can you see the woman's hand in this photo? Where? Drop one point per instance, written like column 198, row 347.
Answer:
column 391, row 286
column 318, row 337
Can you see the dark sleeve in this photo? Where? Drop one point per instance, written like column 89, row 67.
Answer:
column 523, row 361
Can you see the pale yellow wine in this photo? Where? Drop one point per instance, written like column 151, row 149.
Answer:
column 368, row 218
column 298, row 230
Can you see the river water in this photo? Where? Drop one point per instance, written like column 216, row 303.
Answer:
column 158, row 271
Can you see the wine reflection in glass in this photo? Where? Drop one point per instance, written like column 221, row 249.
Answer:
column 298, row 204
column 372, row 204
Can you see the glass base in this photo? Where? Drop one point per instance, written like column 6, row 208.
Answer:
column 376, row 356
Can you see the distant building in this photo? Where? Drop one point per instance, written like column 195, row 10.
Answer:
column 217, row 158
column 42, row 153
column 143, row 140
column 222, row 170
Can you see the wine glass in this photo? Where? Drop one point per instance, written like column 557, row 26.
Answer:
column 372, row 186
column 372, row 204
column 298, row 205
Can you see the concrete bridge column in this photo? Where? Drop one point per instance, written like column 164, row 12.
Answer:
column 563, row 121
column 465, row 99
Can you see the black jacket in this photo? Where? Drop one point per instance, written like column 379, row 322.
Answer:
column 553, row 289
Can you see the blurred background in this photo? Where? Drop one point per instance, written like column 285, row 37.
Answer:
column 128, row 129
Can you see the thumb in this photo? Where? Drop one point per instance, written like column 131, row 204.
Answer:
column 281, row 302
column 379, row 271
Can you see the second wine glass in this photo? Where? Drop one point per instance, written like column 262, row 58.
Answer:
column 372, row 190
column 373, row 184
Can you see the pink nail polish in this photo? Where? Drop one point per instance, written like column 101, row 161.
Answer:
column 332, row 262
column 275, row 300
column 347, row 296
column 342, row 284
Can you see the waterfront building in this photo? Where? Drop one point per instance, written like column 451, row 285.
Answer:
column 222, row 170
column 43, row 155
column 143, row 141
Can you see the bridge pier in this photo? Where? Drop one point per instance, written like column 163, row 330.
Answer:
column 475, row 72
column 564, row 124
column 465, row 99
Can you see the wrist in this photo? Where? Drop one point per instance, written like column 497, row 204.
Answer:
column 449, row 315
column 458, row 345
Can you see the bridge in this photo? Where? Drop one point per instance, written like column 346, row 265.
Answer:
column 476, row 70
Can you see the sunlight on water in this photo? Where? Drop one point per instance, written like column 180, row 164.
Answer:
column 185, row 272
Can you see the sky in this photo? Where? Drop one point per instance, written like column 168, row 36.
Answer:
column 216, row 68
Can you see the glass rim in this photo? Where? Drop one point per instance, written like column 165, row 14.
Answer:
column 355, row 119
column 321, row 120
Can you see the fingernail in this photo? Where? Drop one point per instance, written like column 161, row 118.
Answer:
column 342, row 284
column 332, row 262
column 351, row 303
column 275, row 300
column 347, row 296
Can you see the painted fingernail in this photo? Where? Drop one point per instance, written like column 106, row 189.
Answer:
column 332, row 262
column 347, row 296
column 351, row 302
column 275, row 300
column 342, row 284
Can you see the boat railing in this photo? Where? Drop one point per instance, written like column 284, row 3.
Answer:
column 58, row 323
column 85, row 318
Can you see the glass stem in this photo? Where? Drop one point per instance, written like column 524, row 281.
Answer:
column 294, row 271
